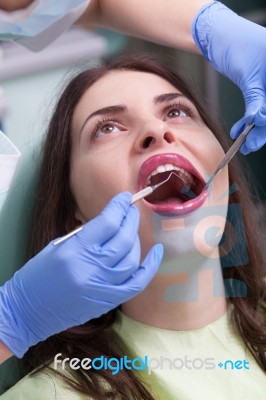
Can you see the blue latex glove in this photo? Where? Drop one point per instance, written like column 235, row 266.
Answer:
column 81, row 279
column 236, row 47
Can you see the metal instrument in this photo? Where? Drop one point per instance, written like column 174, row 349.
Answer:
column 136, row 197
column 230, row 153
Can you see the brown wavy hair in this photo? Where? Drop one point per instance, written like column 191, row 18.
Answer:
column 54, row 215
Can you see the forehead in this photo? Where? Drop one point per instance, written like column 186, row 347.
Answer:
column 125, row 87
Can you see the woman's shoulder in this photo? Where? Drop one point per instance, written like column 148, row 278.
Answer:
column 42, row 385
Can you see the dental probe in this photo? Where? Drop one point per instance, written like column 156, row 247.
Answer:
column 148, row 190
column 230, row 153
column 136, row 197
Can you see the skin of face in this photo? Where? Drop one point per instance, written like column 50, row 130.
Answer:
column 108, row 150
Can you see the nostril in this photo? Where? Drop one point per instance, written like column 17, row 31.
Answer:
column 147, row 142
column 168, row 138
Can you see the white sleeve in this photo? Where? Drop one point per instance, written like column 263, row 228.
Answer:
column 9, row 157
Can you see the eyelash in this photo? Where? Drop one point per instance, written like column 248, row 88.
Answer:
column 182, row 106
column 101, row 123
column 179, row 105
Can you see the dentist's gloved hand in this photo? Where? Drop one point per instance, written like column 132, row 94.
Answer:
column 84, row 277
column 236, row 47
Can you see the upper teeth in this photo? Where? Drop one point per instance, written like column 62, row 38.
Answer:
column 186, row 177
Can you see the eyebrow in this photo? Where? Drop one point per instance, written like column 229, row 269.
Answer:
column 167, row 97
column 119, row 108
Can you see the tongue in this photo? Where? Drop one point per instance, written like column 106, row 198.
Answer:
column 169, row 200
column 168, row 193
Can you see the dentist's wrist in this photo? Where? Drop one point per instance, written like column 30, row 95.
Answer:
column 205, row 25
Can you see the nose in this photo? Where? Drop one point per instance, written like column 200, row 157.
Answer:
column 154, row 134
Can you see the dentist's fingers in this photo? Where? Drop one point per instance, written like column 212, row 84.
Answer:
column 121, row 244
column 260, row 117
column 111, row 295
column 256, row 137
column 103, row 227
column 255, row 140
column 237, row 128
column 143, row 276
column 122, row 271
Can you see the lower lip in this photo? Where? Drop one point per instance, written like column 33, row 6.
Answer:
column 170, row 210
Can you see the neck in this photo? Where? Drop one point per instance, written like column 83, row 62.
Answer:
column 189, row 297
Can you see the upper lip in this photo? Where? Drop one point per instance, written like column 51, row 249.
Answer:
column 166, row 158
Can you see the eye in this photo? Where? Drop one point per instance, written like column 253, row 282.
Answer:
column 177, row 112
column 104, row 128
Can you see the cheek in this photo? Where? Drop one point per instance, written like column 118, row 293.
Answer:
column 204, row 148
column 93, row 183
column 207, row 154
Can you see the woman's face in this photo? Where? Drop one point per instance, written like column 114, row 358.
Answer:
column 129, row 125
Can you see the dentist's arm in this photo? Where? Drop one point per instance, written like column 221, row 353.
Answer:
column 167, row 22
column 234, row 46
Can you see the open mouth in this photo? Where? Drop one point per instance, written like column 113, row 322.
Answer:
column 181, row 193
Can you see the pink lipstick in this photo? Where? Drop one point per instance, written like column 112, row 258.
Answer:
column 180, row 195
